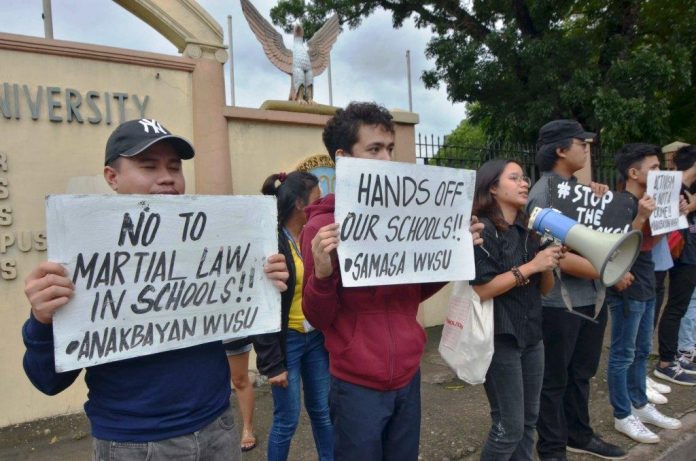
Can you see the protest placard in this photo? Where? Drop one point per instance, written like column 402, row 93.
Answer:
column 664, row 187
column 154, row 273
column 609, row 213
column 403, row 223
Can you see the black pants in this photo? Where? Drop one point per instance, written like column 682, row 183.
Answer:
column 682, row 280
column 513, row 385
column 572, row 348
column 660, row 277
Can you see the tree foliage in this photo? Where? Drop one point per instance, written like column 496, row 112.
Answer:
column 621, row 67
column 466, row 134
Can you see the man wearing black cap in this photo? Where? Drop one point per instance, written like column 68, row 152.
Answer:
column 171, row 405
column 572, row 344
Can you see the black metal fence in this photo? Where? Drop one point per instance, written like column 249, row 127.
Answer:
column 435, row 150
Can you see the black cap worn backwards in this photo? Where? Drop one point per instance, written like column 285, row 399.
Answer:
column 559, row 130
column 134, row 136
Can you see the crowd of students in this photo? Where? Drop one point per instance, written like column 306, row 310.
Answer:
column 355, row 352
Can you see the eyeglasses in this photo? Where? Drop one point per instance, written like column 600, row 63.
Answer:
column 520, row 179
column 582, row 144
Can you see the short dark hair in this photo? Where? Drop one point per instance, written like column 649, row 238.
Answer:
column 341, row 131
column 632, row 154
column 294, row 186
column 546, row 156
column 684, row 157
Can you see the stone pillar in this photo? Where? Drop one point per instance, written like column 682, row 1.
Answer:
column 405, row 135
column 196, row 34
column 212, row 160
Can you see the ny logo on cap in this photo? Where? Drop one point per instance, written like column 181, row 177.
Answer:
column 154, row 124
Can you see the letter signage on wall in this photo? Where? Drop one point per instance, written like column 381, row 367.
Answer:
column 18, row 101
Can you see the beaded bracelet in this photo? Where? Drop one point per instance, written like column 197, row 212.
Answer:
column 521, row 279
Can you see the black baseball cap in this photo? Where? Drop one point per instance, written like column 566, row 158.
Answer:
column 134, row 136
column 559, row 130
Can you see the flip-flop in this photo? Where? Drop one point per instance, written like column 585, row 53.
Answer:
column 248, row 442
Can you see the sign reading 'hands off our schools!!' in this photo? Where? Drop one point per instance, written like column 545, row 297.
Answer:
column 154, row 273
column 403, row 223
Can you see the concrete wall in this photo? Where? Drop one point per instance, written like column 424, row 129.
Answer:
column 59, row 101
column 40, row 156
column 263, row 142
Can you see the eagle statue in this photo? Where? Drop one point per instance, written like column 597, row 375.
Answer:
column 304, row 62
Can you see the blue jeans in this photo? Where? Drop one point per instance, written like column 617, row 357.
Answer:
column 372, row 425
column 687, row 329
column 631, row 341
column 308, row 367
column 513, row 386
column 218, row 441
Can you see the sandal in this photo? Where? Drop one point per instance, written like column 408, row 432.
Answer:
column 248, row 441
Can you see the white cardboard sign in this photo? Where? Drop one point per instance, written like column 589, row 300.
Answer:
column 154, row 273
column 403, row 223
column 664, row 187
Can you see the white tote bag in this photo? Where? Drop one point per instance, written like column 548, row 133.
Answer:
column 467, row 336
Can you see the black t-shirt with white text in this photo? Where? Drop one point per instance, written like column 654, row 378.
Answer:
column 643, row 286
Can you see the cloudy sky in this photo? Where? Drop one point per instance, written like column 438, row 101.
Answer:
column 368, row 63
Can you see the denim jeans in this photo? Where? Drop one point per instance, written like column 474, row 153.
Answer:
column 373, row 425
column 308, row 367
column 218, row 441
column 513, row 385
column 687, row 329
column 631, row 340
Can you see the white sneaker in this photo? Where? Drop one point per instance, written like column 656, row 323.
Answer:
column 654, row 396
column 632, row 427
column 689, row 355
column 659, row 387
column 650, row 415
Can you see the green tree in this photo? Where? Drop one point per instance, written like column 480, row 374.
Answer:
column 466, row 134
column 464, row 146
column 617, row 66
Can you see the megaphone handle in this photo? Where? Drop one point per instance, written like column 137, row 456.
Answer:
column 564, row 291
column 545, row 245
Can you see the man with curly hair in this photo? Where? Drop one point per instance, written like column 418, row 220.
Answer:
column 374, row 341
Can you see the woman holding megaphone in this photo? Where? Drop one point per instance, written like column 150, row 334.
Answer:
column 514, row 271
